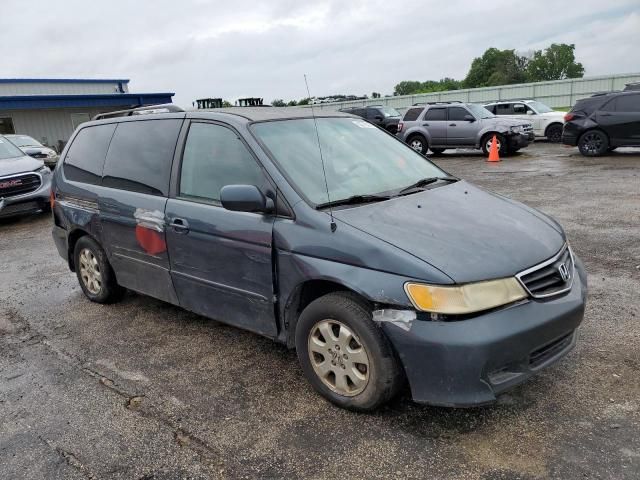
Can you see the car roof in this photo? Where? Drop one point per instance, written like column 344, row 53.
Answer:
column 255, row 114
column 508, row 101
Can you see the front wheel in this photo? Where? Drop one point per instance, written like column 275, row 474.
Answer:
column 344, row 355
column 554, row 133
column 501, row 143
column 593, row 143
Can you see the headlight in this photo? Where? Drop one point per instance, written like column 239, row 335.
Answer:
column 52, row 154
column 462, row 299
column 517, row 129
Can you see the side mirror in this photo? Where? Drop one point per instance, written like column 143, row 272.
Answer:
column 469, row 118
column 245, row 198
column 529, row 112
column 378, row 118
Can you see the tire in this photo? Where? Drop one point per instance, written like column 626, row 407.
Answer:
column 554, row 133
column 593, row 143
column 486, row 143
column 418, row 143
column 95, row 275
column 371, row 377
column 438, row 151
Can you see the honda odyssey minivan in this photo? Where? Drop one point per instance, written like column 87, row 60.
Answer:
column 328, row 235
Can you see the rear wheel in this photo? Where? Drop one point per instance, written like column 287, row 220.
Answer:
column 593, row 143
column 501, row 143
column 554, row 133
column 95, row 275
column 418, row 143
column 344, row 355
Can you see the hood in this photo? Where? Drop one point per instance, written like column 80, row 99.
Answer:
column 468, row 233
column 505, row 122
column 558, row 115
column 34, row 149
column 11, row 166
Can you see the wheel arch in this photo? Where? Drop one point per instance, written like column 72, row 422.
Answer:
column 308, row 291
column 75, row 235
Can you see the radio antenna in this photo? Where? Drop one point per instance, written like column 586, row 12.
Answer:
column 324, row 172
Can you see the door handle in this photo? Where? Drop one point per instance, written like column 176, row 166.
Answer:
column 452, row 124
column 179, row 225
column 425, row 124
column 605, row 114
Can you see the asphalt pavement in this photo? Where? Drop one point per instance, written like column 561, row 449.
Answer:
column 145, row 390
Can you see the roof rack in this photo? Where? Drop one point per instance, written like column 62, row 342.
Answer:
column 436, row 103
column 140, row 110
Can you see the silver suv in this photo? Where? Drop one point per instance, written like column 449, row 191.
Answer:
column 442, row 125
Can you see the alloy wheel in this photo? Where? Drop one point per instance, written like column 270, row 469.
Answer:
column 90, row 271
column 416, row 145
column 338, row 357
column 592, row 143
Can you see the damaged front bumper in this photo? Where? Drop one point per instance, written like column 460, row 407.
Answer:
column 469, row 362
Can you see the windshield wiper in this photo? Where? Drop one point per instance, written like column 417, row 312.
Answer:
column 423, row 182
column 353, row 200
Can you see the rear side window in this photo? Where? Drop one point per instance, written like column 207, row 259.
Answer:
column 628, row 103
column 213, row 157
column 412, row 114
column 140, row 156
column 504, row 109
column 491, row 108
column 436, row 114
column 85, row 158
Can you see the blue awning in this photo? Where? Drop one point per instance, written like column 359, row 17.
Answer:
column 38, row 102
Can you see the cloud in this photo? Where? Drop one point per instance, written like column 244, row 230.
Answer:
column 201, row 48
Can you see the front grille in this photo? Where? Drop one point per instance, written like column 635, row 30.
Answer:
column 552, row 277
column 541, row 355
column 19, row 185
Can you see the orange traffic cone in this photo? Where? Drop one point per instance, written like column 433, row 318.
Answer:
column 493, row 151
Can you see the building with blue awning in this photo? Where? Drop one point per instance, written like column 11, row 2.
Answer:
column 49, row 110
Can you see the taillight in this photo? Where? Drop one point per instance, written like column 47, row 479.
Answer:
column 400, row 125
column 569, row 116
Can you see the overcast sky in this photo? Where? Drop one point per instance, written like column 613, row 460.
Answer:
column 236, row 48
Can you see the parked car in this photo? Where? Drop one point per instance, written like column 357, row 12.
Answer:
column 442, row 125
column 603, row 122
column 34, row 149
column 546, row 121
column 25, row 182
column 386, row 118
column 372, row 262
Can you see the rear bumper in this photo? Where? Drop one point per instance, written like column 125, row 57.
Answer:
column 470, row 362
column 33, row 202
column 570, row 134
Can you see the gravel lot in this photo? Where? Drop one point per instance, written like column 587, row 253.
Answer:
column 145, row 390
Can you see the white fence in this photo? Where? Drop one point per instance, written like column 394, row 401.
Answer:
column 556, row 93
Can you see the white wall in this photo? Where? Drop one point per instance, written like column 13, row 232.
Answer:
column 557, row 93
column 48, row 126
column 48, row 88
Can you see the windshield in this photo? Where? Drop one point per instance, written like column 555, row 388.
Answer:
column 8, row 149
column 389, row 112
column 479, row 111
column 540, row 107
column 24, row 141
column 359, row 158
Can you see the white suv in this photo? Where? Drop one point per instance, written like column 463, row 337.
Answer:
column 546, row 121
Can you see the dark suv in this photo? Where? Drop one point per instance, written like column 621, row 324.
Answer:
column 603, row 122
column 386, row 118
column 375, row 264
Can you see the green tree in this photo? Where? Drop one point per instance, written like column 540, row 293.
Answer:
column 292, row 103
column 407, row 87
column 375, row 95
column 304, row 101
column 496, row 67
column 554, row 63
column 278, row 103
column 226, row 104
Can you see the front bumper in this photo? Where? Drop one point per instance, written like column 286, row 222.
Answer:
column 518, row 140
column 32, row 202
column 468, row 363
